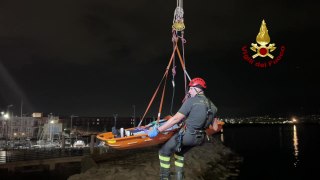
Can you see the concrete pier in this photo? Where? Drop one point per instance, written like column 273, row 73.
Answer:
column 49, row 164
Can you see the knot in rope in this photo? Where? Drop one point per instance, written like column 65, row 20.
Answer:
column 174, row 37
column 174, row 70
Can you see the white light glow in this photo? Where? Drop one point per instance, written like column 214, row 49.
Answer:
column 6, row 116
column 294, row 120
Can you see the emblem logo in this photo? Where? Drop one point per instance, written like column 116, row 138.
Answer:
column 263, row 48
column 263, row 39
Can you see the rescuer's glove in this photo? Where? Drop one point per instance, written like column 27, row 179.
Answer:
column 154, row 132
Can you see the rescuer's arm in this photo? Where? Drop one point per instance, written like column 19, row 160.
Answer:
column 172, row 121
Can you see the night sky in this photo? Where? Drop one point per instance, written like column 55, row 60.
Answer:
column 101, row 57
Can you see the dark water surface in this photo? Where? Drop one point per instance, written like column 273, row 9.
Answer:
column 276, row 151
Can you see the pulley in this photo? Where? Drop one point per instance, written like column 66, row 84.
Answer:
column 178, row 22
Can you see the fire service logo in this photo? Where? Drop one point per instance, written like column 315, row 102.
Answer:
column 262, row 52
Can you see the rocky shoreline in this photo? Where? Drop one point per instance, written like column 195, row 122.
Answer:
column 212, row 160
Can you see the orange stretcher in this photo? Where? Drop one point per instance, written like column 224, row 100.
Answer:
column 134, row 141
column 138, row 137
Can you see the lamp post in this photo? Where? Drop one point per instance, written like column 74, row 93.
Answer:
column 51, row 130
column 8, row 109
column 9, row 128
column 6, row 117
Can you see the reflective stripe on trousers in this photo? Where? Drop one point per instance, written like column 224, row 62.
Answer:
column 164, row 167
column 179, row 162
column 164, row 161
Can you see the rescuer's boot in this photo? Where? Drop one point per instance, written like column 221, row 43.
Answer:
column 179, row 162
column 164, row 167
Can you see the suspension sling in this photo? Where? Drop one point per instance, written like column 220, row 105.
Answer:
column 163, row 80
column 155, row 93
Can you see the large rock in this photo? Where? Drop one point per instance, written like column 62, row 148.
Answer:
column 210, row 161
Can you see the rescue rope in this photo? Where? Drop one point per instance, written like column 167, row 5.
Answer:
column 177, row 27
column 173, row 71
column 155, row 93
column 165, row 82
column 176, row 49
column 162, row 97
column 184, row 60
column 183, row 64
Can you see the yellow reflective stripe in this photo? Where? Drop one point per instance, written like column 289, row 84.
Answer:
column 165, row 165
column 179, row 164
column 179, row 157
column 111, row 141
column 164, row 158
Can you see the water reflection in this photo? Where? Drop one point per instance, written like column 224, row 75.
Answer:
column 295, row 146
column 3, row 155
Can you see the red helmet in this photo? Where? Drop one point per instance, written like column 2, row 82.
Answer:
column 198, row 81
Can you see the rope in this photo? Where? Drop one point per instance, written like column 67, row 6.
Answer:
column 155, row 93
column 162, row 97
column 178, row 26
column 174, row 40
column 183, row 41
column 173, row 85
column 183, row 65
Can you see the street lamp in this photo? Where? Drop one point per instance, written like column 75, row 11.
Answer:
column 51, row 130
column 6, row 116
column 8, row 109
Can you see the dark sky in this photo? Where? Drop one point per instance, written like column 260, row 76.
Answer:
column 100, row 57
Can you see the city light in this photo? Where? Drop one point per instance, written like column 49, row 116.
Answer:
column 6, row 116
column 294, row 120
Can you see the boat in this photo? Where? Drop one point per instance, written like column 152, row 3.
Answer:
column 49, row 134
column 79, row 144
column 46, row 144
